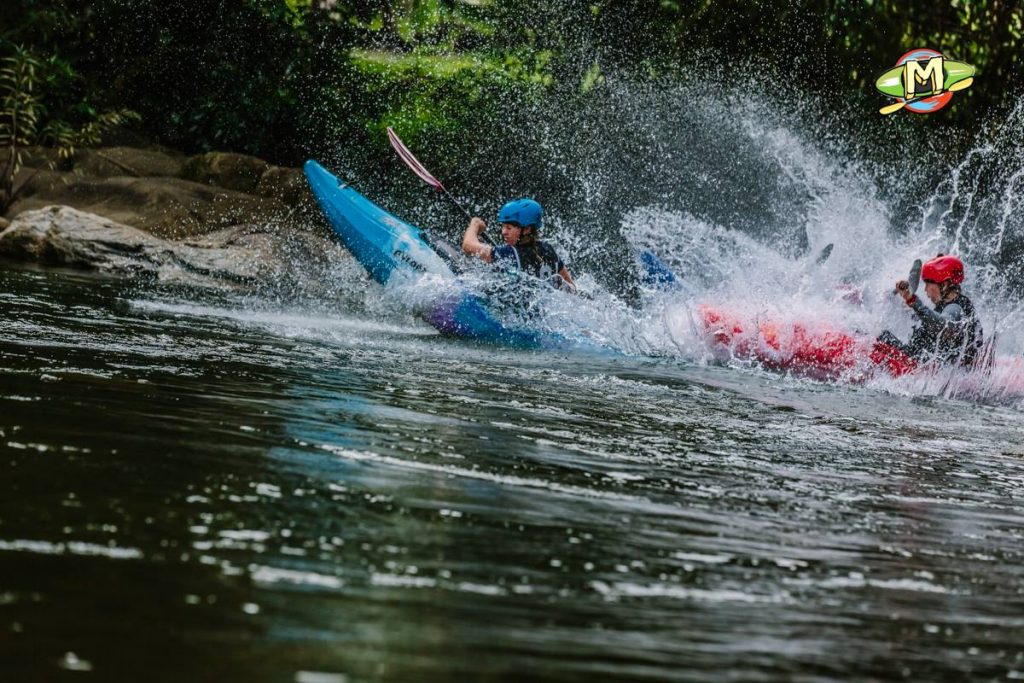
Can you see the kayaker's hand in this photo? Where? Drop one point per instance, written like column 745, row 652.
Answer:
column 903, row 289
column 476, row 223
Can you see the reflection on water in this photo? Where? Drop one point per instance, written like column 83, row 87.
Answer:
column 207, row 490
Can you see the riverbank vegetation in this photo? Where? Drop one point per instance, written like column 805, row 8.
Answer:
column 499, row 96
column 716, row 108
column 282, row 78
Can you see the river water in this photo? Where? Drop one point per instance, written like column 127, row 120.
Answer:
column 203, row 487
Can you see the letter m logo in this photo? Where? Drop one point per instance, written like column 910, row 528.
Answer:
column 914, row 75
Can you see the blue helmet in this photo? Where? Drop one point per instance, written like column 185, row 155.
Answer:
column 523, row 212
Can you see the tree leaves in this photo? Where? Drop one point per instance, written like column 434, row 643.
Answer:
column 26, row 122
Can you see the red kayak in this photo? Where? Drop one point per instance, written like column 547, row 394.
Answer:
column 822, row 352
column 817, row 351
column 826, row 352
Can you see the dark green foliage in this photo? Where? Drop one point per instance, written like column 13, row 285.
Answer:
column 31, row 92
column 595, row 105
column 287, row 78
column 218, row 75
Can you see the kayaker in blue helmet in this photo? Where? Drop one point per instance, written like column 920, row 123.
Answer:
column 520, row 220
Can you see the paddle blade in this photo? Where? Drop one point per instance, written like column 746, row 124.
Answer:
column 824, row 254
column 890, row 108
column 915, row 276
column 412, row 162
column 962, row 85
column 654, row 272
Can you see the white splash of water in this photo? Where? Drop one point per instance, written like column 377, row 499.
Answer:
column 846, row 288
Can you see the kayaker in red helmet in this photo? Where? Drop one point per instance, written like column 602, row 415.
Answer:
column 950, row 333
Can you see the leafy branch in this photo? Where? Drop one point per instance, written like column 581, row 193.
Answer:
column 25, row 120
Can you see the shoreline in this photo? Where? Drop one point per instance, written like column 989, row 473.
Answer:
column 215, row 220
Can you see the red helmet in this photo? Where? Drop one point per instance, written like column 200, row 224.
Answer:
column 943, row 268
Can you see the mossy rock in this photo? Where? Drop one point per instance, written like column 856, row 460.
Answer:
column 237, row 172
column 110, row 162
column 286, row 184
column 166, row 207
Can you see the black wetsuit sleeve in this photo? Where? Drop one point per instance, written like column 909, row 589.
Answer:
column 950, row 314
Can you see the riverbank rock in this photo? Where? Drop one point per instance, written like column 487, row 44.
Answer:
column 287, row 185
column 66, row 237
column 111, row 162
column 237, row 172
column 253, row 258
column 214, row 219
column 166, row 207
column 161, row 191
column 61, row 236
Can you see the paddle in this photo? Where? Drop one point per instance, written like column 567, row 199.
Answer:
column 421, row 171
column 824, row 254
column 896, row 106
column 914, row 279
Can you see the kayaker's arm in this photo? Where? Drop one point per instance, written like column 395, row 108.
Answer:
column 951, row 314
column 564, row 272
column 936, row 323
column 471, row 243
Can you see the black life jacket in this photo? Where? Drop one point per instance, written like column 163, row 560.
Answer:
column 955, row 342
column 540, row 260
column 965, row 341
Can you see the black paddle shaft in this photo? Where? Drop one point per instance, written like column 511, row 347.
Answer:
column 483, row 235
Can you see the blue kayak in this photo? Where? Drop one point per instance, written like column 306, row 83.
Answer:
column 388, row 247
